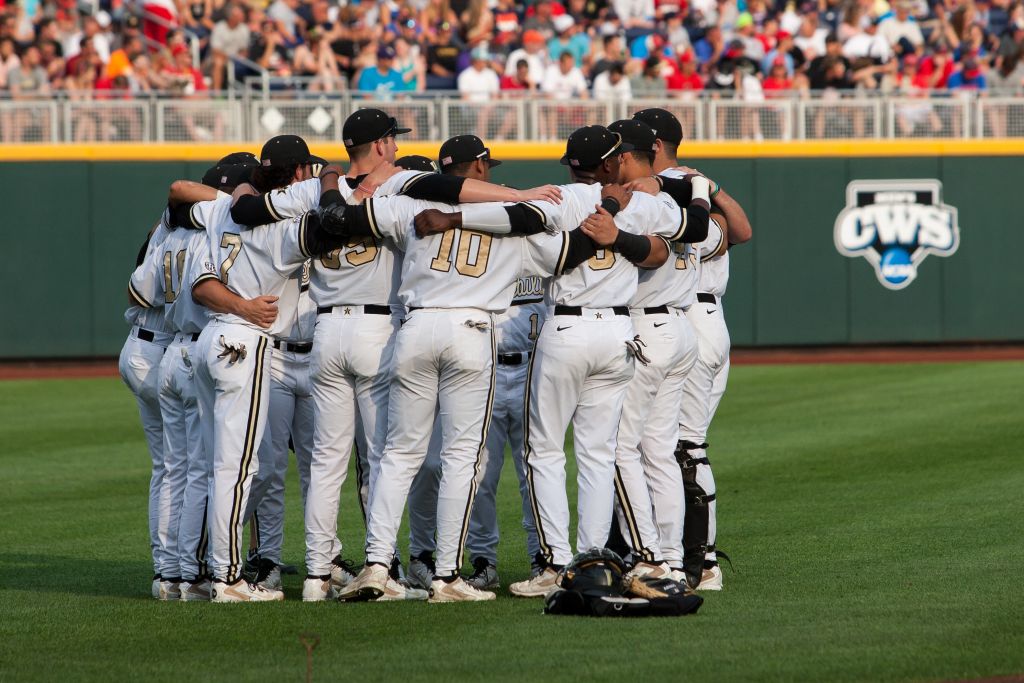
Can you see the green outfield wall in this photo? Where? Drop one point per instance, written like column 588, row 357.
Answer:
column 71, row 229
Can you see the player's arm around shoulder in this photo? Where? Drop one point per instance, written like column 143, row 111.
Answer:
column 619, row 223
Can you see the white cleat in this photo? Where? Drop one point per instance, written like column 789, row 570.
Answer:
column 342, row 573
column 538, row 586
column 243, row 591
column 457, row 591
column 318, row 589
column 272, row 581
column 650, row 570
column 679, row 576
column 169, row 590
column 155, row 588
column 711, row 579
column 421, row 572
column 196, row 591
column 396, row 590
column 369, row 584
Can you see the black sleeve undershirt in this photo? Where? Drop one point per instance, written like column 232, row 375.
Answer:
column 142, row 252
column 353, row 219
column 435, row 187
column 180, row 216
column 581, row 249
column 251, row 210
column 697, row 213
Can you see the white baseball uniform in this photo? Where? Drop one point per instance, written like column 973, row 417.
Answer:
column 579, row 373
column 516, row 332
column 250, row 262
column 291, row 418
column 705, row 384
column 452, row 284
column 139, row 364
column 355, row 290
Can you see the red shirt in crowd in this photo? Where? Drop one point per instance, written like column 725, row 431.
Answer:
column 680, row 81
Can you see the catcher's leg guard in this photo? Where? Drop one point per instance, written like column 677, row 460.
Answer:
column 699, row 491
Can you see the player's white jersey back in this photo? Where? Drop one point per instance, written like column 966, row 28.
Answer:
column 151, row 318
column 607, row 279
column 184, row 260
column 252, row 262
column 297, row 300
column 714, row 267
column 460, row 268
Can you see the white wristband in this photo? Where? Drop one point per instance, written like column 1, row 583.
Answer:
column 490, row 217
column 701, row 188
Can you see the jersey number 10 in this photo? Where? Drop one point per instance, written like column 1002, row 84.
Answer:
column 475, row 245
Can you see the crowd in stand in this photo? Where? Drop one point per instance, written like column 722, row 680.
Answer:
column 487, row 48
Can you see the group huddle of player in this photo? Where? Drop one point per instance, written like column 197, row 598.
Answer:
column 429, row 318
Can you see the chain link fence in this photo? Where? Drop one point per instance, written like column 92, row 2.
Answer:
column 118, row 117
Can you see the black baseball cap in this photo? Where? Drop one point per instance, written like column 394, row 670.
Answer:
column 227, row 175
column 589, row 146
column 636, row 133
column 284, row 150
column 463, row 148
column 415, row 162
column 242, row 158
column 369, row 125
column 665, row 124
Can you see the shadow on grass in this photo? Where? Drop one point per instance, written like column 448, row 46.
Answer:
column 61, row 574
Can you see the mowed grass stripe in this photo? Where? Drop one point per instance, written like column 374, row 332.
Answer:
column 873, row 513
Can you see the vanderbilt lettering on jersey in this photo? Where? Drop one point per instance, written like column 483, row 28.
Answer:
column 471, row 254
column 529, row 286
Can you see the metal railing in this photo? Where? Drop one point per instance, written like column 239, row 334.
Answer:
column 247, row 114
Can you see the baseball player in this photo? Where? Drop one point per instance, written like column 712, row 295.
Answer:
column 583, row 359
column 452, row 283
column 235, row 357
column 515, row 330
column 139, row 364
column 705, row 383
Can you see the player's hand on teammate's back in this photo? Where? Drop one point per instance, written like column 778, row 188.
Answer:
column 381, row 173
column 261, row 310
column 432, row 221
column 692, row 171
column 600, row 227
column 619, row 193
column 546, row 193
column 648, row 185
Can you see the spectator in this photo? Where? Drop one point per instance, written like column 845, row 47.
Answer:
column 811, row 37
column 533, row 52
column 521, row 81
column 159, row 18
column 687, row 79
column 478, row 22
column 198, row 19
column 541, row 19
column 969, row 77
column 711, row 47
column 29, row 80
column 564, row 80
column 868, row 44
column 8, row 60
column 381, row 80
column 411, row 66
column 637, row 16
column 479, row 83
column 442, row 59
column 269, row 49
column 229, row 39
column 783, row 50
column 902, row 32
column 568, row 39
column 937, row 67
column 649, row 83
column 508, row 20
column 120, row 63
column 91, row 33
column 676, row 35
column 51, row 60
column 745, row 32
column 778, row 78
column 612, row 84
column 86, row 54
column 284, row 13
column 612, row 52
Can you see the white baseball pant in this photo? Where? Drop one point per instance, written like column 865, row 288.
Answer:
column 702, row 392
column 648, row 483
column 241, row 397
column 139, row 364
column 351, row 372
column 579, row 373
column 290, row 417
column 444, row 363
column 507, row 420
column 182, row 441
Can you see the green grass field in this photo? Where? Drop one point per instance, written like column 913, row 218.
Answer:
column 874, row 515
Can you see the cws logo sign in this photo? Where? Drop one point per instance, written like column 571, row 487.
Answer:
column 895, row 224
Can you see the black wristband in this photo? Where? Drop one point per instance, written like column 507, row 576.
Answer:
column 611, row 205
column 636, row 248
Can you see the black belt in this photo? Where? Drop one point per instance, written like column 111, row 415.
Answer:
column 372, row 309
column 145, row 335
column 512, row 358
column 577, row 310
column 654, row 310
column 523, row 302
column 304, row 347
column 707, row 298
